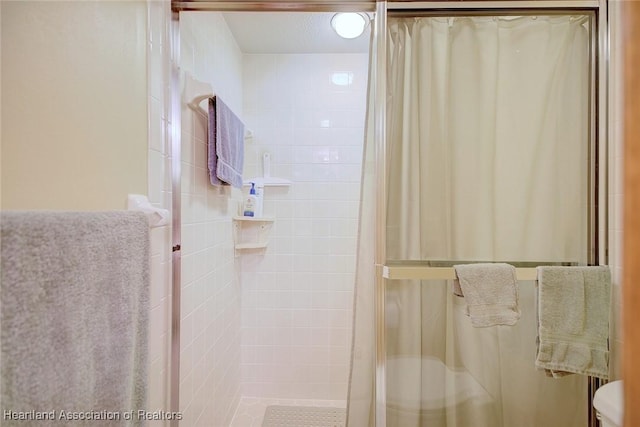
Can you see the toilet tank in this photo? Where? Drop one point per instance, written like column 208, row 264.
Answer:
column 608, row 401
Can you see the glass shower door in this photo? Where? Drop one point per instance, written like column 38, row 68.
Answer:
column 488, row 143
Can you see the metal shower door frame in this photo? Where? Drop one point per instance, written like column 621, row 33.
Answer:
column 598, row 147
column 598, row 253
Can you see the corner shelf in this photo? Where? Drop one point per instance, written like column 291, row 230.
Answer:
column 251, row 232
column 241, row 246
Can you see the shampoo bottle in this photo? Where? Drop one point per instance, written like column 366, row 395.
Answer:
column 259, row 199
column 250, row 202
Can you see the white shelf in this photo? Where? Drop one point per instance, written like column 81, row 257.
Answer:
column 241, row 246
column 254, row 218
column 268, row 181
column 251, row 232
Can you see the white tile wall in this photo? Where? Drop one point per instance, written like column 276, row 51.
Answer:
column 159, row 192
column 297, row 295
column 297, row 298
column 210, row 311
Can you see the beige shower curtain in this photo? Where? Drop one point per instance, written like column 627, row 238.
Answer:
column 488, row 134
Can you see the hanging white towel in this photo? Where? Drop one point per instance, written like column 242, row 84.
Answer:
column 490, row 292
column 573, row 320
column 75, row 313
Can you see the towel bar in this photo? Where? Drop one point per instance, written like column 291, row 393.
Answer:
column 443, row 270
column 195, row 92
column 157, row 216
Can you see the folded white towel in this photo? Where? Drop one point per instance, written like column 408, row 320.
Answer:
column 573, row 320
column 490, row 292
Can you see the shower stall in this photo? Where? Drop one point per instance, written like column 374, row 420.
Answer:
column 485, row 141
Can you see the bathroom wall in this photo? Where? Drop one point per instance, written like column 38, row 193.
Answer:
column 74, row 106
column 308, row 111
column 210, row 336
column 159, row 192
column 83, row 106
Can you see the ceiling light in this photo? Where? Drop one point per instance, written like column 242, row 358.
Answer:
column 349, row 25
column 342, row 78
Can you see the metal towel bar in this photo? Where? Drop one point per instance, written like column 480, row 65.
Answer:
column 443, row 270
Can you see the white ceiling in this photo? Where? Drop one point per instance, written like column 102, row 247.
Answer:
column 291, row 32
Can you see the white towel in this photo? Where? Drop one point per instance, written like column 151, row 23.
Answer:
column 74, row 311
column 225, row 145
column 456, row 289
column 573, row 320
column 490, row 292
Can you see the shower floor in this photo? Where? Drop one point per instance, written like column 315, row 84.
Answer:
column 251, row 410
column 308, row 416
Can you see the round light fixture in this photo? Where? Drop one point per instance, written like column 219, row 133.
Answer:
column 349, row 25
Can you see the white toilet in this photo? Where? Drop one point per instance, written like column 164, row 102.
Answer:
column 608, row 403
column 447, row 391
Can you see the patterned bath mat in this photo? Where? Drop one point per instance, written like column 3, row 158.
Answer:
column 304, row 416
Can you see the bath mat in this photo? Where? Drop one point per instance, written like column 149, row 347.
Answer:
column 304, row 416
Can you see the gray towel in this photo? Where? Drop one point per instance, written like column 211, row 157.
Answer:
column 490, row 292
column 74, row 316
column 573, row 320
column 225, row 145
